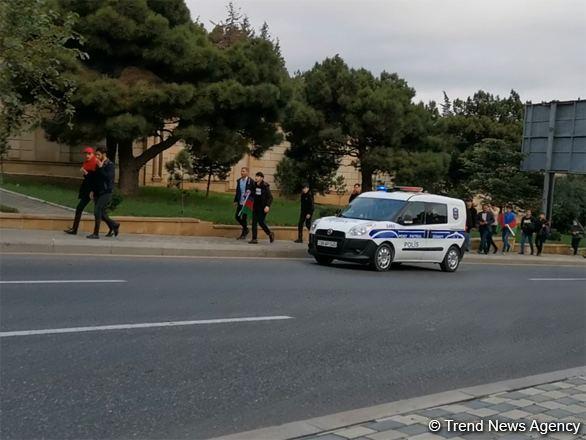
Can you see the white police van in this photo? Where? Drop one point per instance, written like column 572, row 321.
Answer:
column 385, row 228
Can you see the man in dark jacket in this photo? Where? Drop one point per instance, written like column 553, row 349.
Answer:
column 528, row 227
column 355, row 192
column 262, row 205
column 103, row 189
column 306, row 212
column 471, row 214
column 485, row 220
column 88, row 170
column 244, row 188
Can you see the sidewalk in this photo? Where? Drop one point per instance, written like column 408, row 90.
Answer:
column 532, row 402
column 41, row 241
column 31, row 205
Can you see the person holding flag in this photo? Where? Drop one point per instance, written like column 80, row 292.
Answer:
column 262, row 199
column 244, row 187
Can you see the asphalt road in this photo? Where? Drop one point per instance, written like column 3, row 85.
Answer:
column 357, row 338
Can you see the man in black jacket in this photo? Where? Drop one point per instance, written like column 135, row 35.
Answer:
column 527, row 229
column 485, row 221
column 244, row 188
column 471, row 214
column 306, row 212
column 103, row 188
column 262, row 205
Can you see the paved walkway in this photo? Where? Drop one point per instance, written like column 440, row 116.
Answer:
column 558, row 409
column 547, row 406
column 27, row 240
column 31, row 205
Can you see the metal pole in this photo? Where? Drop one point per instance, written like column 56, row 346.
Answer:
column 549, row 177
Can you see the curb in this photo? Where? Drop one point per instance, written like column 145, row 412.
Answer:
column 317, row 425
column 123, row 249
column 132, row 250
column 56, row 205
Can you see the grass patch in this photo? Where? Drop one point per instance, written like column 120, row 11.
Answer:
column 4, row 208
column 161, row 202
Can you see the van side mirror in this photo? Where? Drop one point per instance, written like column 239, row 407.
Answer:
column 338, row 212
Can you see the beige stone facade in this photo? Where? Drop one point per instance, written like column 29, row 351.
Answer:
column 33, row 154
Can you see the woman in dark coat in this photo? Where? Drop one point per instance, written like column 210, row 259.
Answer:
column 88, row 169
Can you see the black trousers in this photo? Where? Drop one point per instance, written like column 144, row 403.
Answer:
column 539, row 242
column 242, row 220
column 303, row 221
column 576, row 244
column 83, row 202
column 258, row 218
column 100, row 206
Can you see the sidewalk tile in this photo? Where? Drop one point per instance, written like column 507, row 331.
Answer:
column 384, row 425
column 494, row 400
column 426, row 436
column 391, row 434
column 575, row 409
column 531, row 391
column 558, row 413
column 552, row 404
column 357, row 431
column 580, row 397
column 549, row 387
column 455, row 408
column 502, row 407
column 414, row 429
column 515, row 414
column 433, row 413
column 568, row 401
column 482, row 412
column 521, row 403
column 538, row 398
column 476, row 404
column 554, row 394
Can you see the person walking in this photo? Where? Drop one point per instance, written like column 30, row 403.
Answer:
column 88, row 170
column 355, row 192
column 508, row 222
column 471, row 218
column 577, row 232
column 263, row 198
column 527, row 230
column 306, row 212
column 541, row 233
column 485, row 221
column 103, row 189
column 493, row 231
column 244, row 188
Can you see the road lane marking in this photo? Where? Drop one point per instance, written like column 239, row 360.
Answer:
column 557, row 279
column 52, row 331
column 61, row 281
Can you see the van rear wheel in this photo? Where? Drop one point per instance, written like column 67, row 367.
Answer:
column 382, row 258
column 451, row 261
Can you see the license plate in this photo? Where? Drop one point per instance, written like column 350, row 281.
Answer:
column 327, row 243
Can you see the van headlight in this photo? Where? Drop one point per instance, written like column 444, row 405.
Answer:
column 358, row 231
column 313, row 227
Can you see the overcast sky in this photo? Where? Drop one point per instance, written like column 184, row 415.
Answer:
column 537, row 47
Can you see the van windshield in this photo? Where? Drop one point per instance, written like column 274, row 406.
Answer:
column 370, row 208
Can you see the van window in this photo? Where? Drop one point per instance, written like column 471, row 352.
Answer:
column 436, row 213
column 414, row 214
column 370, row 208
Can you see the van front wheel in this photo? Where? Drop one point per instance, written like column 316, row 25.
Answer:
column 451, row 261
column 382, row 258
column 324, row 261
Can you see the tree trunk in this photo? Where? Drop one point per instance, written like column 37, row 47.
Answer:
column 112, row 146
column 366, row 178
column 128, row 169
column 209, row 181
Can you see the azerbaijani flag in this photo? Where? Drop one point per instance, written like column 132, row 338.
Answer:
column 247, row 205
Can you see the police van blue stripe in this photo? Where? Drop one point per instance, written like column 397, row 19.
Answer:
column 416, row 233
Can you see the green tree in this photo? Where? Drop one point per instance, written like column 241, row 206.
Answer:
column 153, row 73
column 569, row 201
column 491, row 169
column 35, row 56
column 349, row 112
